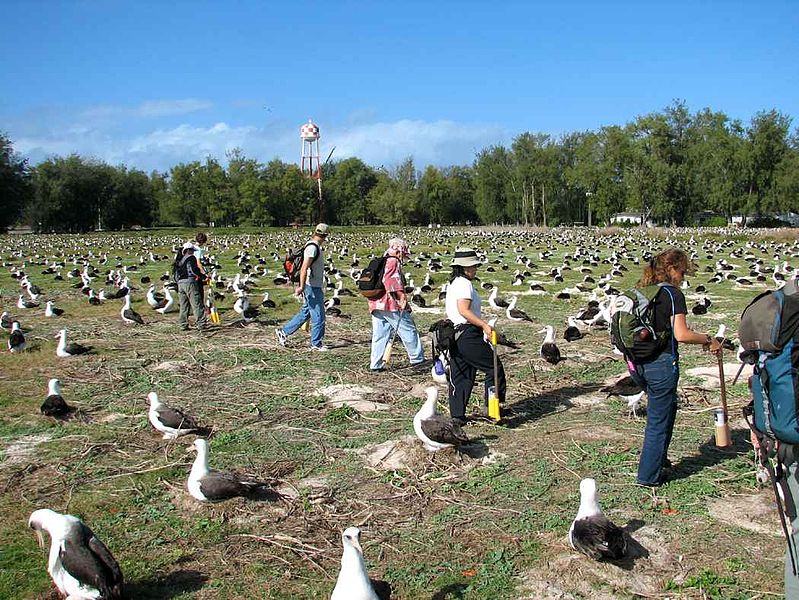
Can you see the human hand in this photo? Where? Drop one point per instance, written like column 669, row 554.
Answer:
column 755, row 441
column 298, row 291
column 487, row 330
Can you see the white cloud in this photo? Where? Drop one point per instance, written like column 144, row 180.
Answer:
column 378, row 143
column 147, row 109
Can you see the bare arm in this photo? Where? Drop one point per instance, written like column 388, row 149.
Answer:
column 306, row 264
column 684, row 334
column 465, row 309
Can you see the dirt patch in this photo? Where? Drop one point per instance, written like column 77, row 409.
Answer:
column 172, row 366
column 710, row 375
column 755, row 512
column 594, row 433
column 23, row 447
column 392, row 454
column 353, row 395
column 589, row 399
column 569, row 574
column 408, row 453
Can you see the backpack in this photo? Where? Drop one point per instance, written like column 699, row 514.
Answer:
column 294, row 259
column 370, row 283
column 769, row 335
column 631, row 323
column 443, row 336
column 183, row 270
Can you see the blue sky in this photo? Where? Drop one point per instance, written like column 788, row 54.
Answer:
column 151, row 84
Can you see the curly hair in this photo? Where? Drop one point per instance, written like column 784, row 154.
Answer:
column 657, row 271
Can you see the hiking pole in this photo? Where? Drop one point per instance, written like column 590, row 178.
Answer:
column 493, row 396
column 390, row 347
column 720, row 415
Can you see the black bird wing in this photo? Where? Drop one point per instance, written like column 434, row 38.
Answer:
column 503, row 340
column 220, row 486
column 134, row 316
column 89, row 561
column 17, row 338
column 174, row 418
column 625, row 386
column 73, row 348
column 444, row 430
column 519, row 314
column 551, row 353
column 598, row 537
column 55, row 405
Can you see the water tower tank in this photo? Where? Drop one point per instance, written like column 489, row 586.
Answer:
column 309, row 131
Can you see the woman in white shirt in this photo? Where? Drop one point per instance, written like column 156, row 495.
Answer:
column 472, row 351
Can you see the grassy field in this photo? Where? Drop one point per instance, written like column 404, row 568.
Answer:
column 488, row 524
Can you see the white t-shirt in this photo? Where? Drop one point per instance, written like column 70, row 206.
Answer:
column 461, row 289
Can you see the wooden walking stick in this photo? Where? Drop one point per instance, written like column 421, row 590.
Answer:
column 720, row 416
column 494, row 411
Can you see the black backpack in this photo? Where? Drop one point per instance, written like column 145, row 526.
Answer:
column 293, row 261
column 443, row 336
column 184, row 269
column 370, row 283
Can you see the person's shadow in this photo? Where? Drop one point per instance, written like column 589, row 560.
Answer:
column 542, row 404
column 171, row 585
column 710, row 454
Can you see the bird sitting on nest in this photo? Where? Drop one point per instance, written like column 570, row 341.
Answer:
column 80, row 565
column 591, row 532
column 128, row 314
column 435, row 430
column 63, row 350
column 353, row 581
column 170, row 421
column 55, row 405
column 549, row 350
column 16, row 339
column 207, row 485
column 573, row 332
column 52, row 311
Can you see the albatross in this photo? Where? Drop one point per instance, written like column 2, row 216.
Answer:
column 169, row 421
column 436, row 431
column 80, row 565
column 207, row 485
column 52, row 311
column 55, row 405
column 16, row 339
column 515, row 314
column 628, row 390
column 549, row 350
column 128, row 314
column 63, row 350
column 591, row 532
column 353, row 581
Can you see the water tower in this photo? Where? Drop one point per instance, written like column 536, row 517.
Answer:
column 310, row 163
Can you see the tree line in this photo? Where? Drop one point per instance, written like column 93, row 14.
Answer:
column 666, row 166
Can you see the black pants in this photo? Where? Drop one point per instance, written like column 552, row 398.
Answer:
column 472, row 354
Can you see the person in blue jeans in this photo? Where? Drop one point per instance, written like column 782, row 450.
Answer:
column 391, row 312
column 311, row 290
column 659, row 376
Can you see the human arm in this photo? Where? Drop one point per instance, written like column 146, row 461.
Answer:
column 392, row 281
column 465, row 309
column 304, row 268
column 685, row 335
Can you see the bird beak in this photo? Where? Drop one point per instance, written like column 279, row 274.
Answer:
column 357, row 544
column 39, row 538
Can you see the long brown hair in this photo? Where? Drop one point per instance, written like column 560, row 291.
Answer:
column 657, row 271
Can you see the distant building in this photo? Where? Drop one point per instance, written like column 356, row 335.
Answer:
column 738, row 220
column 630, row 218
column 791, row 218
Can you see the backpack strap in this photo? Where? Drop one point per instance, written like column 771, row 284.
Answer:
column 318, row 249
column 768, row 446
column 666, row 286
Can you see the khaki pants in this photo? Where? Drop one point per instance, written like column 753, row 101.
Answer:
column 190, row 295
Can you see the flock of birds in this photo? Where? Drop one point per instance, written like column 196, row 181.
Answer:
column 82, row 567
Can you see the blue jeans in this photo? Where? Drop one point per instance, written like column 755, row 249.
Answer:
column 384, row 324
column 659, row 378
column 314, row 308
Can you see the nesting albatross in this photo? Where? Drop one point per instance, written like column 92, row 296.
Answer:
column 80, row 565
column 591, row 532
column 55, row 405
column 169, row 421
column 64, row 350
column 436, row 431
column 213, row 486
column 353, row 581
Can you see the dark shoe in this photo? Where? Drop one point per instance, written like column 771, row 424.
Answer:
column 378, row 370
column 655, row 484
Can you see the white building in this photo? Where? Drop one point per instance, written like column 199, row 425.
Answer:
column 630, row 218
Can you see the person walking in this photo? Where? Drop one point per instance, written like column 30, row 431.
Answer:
column 190, row 279
column 310, row 289
column 391, row 312
column 659, row 376
column 472, row 351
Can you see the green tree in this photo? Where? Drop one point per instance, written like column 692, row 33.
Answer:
column 768, row 144
column 16, row 190
column 493, row 171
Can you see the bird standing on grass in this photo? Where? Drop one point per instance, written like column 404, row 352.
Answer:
column 591, row 532
column 80, row 565
column 628, row 390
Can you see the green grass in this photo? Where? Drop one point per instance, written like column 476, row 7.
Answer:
column 455, row 527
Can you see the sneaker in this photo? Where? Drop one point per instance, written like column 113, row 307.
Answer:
column 281, row 336
column 378, row 370
column 321, row 348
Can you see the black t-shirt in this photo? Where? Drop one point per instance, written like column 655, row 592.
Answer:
column 661, row 320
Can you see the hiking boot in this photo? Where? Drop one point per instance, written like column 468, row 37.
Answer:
column 321, row 348
column 281, row 336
